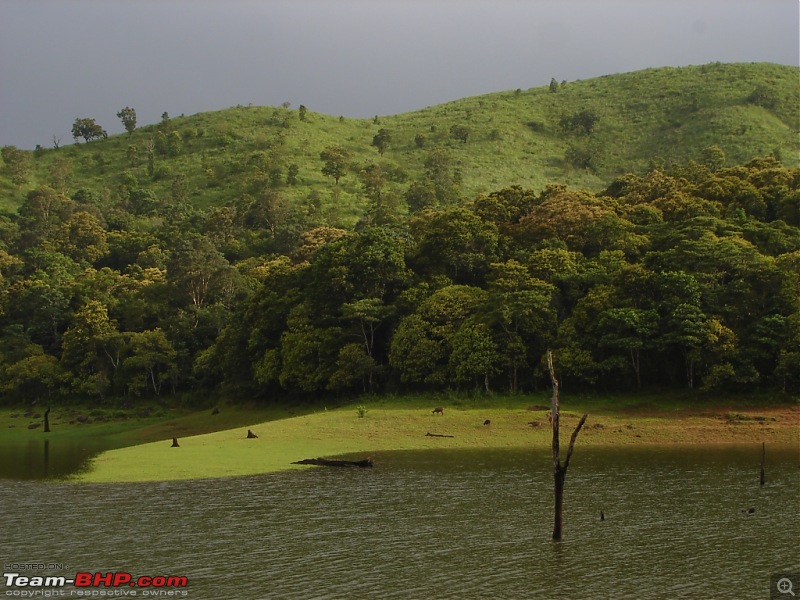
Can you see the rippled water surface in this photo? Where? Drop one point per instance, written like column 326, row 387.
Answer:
column 434, row 524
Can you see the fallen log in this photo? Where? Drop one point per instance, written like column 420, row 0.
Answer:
column 429, row 434
column 327, row 462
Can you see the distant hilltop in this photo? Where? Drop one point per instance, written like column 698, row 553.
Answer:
column 580, row 133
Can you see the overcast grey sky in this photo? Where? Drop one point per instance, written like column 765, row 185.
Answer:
column 63, row 59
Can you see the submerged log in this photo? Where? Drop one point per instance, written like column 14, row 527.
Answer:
column 327, row 462
column 429, row 434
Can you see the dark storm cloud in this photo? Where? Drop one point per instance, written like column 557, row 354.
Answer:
column 62, row 59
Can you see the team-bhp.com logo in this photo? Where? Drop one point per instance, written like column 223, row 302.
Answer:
column 95, row 580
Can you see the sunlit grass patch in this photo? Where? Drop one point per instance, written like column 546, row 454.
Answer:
column 514, row 423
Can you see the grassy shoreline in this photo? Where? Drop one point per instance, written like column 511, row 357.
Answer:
column 213, row 446
column 216, row 445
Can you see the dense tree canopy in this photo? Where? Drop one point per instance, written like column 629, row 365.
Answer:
column 685, row 279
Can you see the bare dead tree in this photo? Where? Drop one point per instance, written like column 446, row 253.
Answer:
column 559, row 470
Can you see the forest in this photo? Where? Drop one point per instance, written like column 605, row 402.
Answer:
column 680, row 276
column 689, row 279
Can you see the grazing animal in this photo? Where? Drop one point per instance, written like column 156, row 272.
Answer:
column 487, row 422
column 438, row 409
column 215, row 411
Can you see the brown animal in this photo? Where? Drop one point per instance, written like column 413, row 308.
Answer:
column 487, row 422
column 251, row 435
column 439, row 409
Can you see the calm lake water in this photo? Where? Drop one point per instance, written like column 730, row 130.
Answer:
column 434, row 524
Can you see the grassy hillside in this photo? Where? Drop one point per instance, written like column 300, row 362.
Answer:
column 519, row 137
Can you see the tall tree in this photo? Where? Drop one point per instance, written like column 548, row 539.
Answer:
column 193, row 268
column 368, row 314
column 337, row 159
column 128, row 117
column 475, row 355
column 150, row 361
column 18, row 164
column 308, row 353
column 523, row 310
column 455, row 242
column 421, row 346
column 628, row 330
column 381, row 140
column 90, row 348
column 82, row 237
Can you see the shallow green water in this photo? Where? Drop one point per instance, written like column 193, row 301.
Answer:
column 434, row 524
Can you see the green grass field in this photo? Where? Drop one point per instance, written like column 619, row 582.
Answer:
column 217, row 446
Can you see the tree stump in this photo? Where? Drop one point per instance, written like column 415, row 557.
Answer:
column 251, row 435
column 175, row 443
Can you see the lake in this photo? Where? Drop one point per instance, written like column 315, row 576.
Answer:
column 434, row 524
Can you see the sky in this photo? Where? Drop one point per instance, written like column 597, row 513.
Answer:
column 67, row 59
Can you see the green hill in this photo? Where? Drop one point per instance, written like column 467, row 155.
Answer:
column 208, row 255
column 581, row 133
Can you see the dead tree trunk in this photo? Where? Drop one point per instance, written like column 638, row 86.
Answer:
column 47, row 420
column 559, row 470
